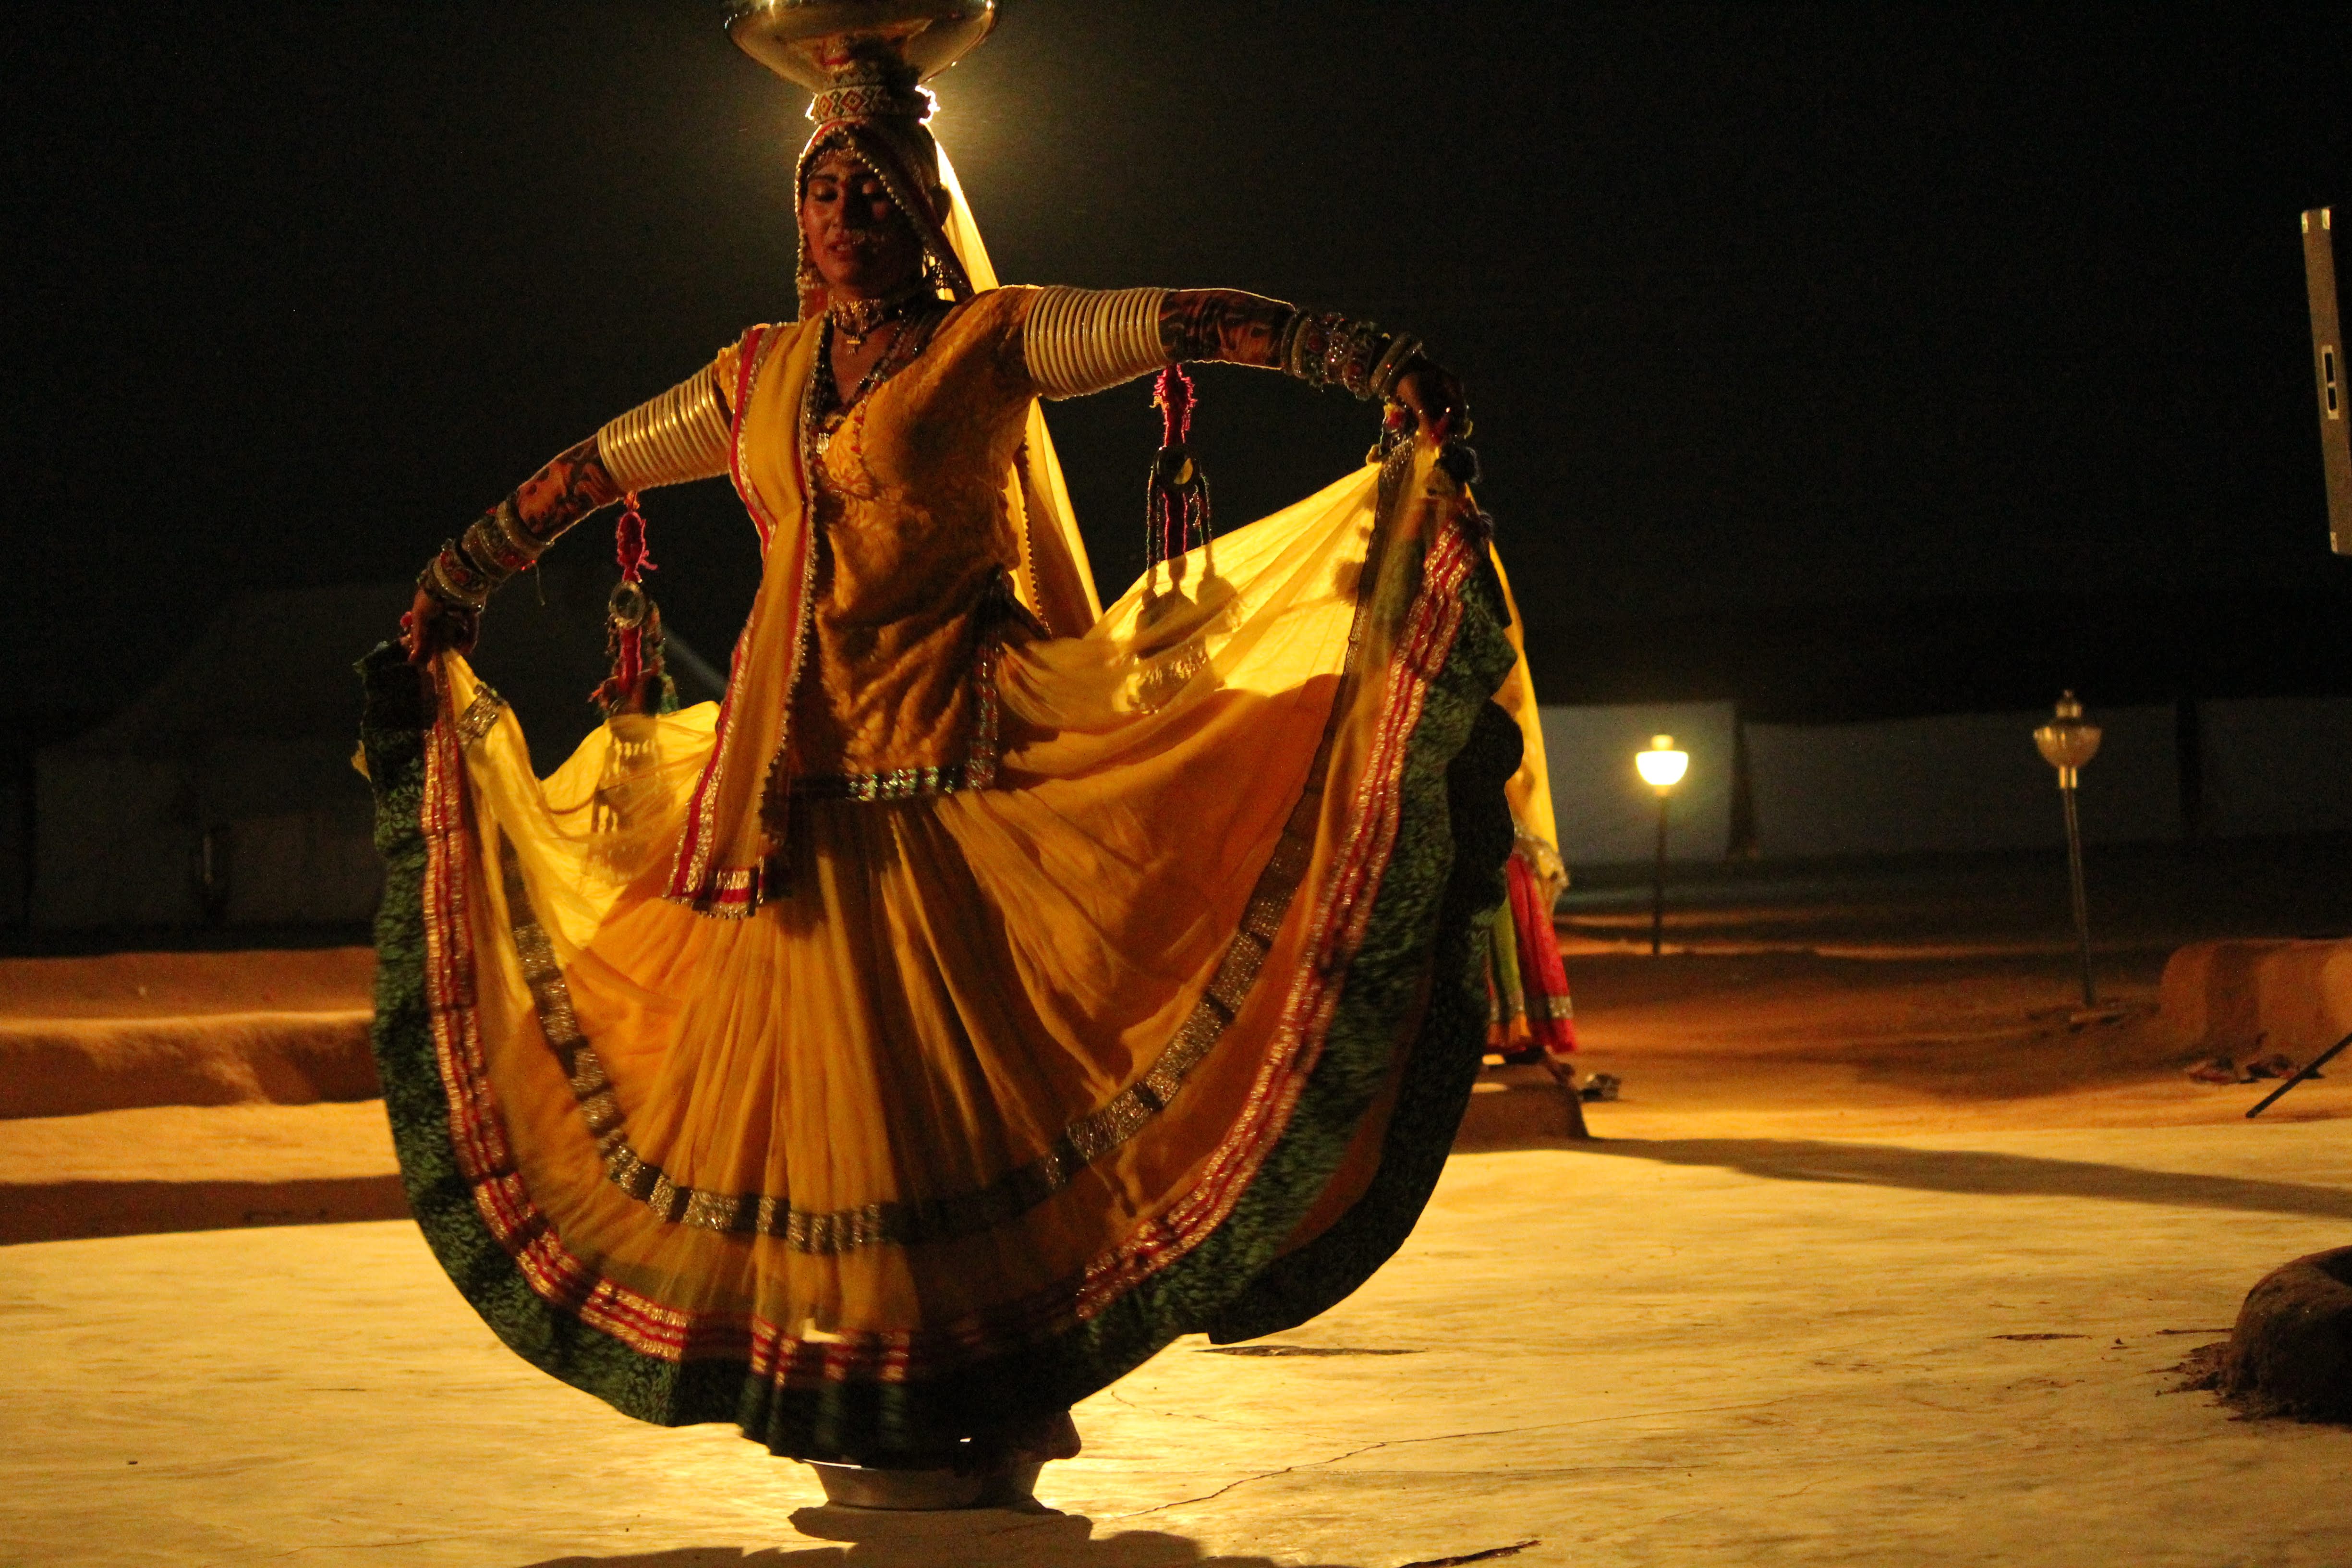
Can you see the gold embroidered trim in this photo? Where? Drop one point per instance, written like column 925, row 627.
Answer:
column 978, row 770
column 727, row 892
column 480, row 717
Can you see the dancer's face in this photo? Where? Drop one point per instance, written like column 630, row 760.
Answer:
column 863, row 246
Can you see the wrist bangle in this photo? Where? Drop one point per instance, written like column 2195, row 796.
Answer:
column 483, row 566
column 1309, row 353
column 497, row 545
column 1325, row 349
column 454, row 580
column 1402, row 349
column 1351, row 356
column 1286, row 345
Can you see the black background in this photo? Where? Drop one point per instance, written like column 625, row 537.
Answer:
column 1844, row 359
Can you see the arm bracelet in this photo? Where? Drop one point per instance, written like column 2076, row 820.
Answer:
column 680, row 436
column 1077, row 341
column 1325, row 349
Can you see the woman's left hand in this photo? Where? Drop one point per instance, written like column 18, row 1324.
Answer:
column 1435, row 395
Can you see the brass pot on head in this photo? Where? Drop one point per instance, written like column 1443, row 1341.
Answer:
column 814, row 42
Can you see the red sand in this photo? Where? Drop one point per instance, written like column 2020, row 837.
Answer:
column 166, row 985
column 184, row 1028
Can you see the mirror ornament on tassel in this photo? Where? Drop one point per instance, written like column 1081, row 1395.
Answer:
column 1170, row 628
column 1176, row 496
column 624, row 821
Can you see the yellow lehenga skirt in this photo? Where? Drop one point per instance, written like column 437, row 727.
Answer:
column 1004, row 1090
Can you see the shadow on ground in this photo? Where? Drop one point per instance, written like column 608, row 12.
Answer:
column 71, row 1211
column 977, row 1539
column 1974, row 1171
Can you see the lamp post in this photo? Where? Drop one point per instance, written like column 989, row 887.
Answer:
column 1662, row 768
column 2067, row 743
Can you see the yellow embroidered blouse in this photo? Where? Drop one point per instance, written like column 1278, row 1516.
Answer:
column 911, row 543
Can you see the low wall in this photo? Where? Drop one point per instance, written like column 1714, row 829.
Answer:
column 131, row 1029
column 2242, row 999
column 1954, row 783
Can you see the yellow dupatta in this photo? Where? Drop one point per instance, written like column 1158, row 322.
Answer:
column 726, row 854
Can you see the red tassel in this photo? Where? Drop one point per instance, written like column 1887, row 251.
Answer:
column 629, row 543
column 631, row 614
column 1173, row 393
column 1176, row 499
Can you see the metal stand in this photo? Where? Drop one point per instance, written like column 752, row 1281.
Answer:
column 2308, row 1070
column 1658, row 886
column 864, row 1486
column 2074, row 870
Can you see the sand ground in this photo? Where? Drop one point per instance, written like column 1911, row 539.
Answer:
column 1881, row 1260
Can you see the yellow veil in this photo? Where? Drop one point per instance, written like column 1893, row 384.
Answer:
column 1057, row 581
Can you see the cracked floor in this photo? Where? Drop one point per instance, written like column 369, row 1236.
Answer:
column 1914, row 1349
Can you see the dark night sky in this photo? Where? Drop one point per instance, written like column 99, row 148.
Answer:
column 1775, row 317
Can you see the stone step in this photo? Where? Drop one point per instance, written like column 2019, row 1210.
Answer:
column 69, row 1066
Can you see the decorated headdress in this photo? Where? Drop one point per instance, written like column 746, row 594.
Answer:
column 865, row 62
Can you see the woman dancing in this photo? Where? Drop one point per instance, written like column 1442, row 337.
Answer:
column 993, row 988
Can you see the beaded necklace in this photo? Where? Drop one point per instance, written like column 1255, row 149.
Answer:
column 859, row 320
column 826, row 411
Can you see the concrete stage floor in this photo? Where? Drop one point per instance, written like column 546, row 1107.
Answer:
column 1744, row 1350
column 1881, row 1261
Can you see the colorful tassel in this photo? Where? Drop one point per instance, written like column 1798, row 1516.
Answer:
column 1176, row 497
column 639, row 683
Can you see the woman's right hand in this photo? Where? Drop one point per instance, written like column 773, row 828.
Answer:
column 431, row 625
column 1435, row 395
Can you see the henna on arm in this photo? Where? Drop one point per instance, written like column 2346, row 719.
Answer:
column 574, row 484
column 457, row 582
column 1239, row 328
column 679, row 435
column 1225, row 325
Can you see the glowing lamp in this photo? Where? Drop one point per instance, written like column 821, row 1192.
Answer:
column 2067, row 743
column 1661, row 768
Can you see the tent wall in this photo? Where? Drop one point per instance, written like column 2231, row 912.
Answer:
column 115, row 842
column 2278, row 764
column 1962, row 782
column 1955, row 783
column 225, row 794
column 1607, row 814
column 122, row 842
